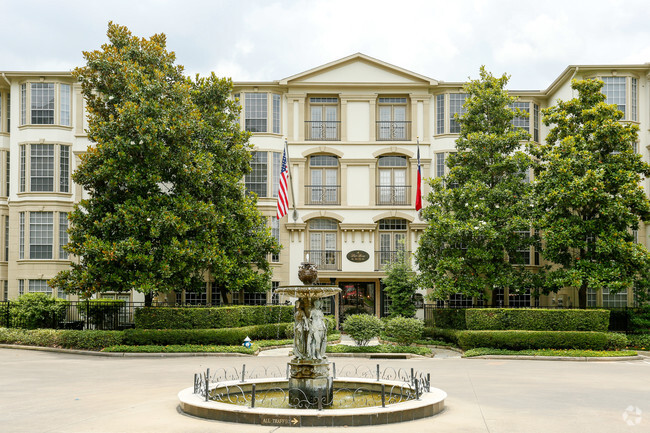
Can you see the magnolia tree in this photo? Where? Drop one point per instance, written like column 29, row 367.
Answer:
column 589, row 196
column 479, row 215
column 165, row 203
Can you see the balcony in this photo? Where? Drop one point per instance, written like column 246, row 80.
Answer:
column 396, row 195
column 322, row 130
column 328, row 260
column 390, row 130
column 385, row 258
column 323, row 194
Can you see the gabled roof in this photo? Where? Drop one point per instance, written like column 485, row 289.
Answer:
column 368, row 69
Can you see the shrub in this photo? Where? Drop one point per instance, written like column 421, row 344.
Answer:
column 446, row 335
column 640, row 320
column 520, row 340
column 405, row 331
column 362, row 328
column 37, row 310
column 226, row 336
column 447, row 318
column 639, row 341
column 102, row 313
column 68, row 339
column 536, row 319
column 204, row 318
column 382, row 348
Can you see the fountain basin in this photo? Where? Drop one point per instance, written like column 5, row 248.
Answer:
column 429, row 404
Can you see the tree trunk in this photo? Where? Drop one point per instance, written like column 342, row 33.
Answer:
column 582, row 296
column 148, row 299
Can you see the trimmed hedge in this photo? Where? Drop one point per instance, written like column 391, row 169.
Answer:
column 521, row 340
column 448, row 318
column 67, row 339
column 405, row 331
column 219, row 337
column 446, row 335
column 205, row 318
column 536, row 319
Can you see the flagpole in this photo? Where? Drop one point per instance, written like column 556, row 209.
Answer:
column 293, row 196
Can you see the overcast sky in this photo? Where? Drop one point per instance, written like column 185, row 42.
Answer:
column 269, row 40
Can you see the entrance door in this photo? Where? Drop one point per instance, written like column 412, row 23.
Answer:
column 356, row 298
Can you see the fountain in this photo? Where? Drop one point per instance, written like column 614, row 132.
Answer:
column 310, row 379
column 309, row 394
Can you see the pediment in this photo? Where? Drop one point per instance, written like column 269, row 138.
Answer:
column 356, row 69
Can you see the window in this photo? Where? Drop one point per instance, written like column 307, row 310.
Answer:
column 616, row 91
column 276, row 113
column 440, row 164
column 63, row 235
column 8, row 173
column 6, row 290
column 456, row 101
column 322, row 243
column 440, row 114
column 41, row 234
column 519, row 300
column 8, row 115
column 392, row 240
column 39, row 286
column 255, row 298
column 324, row 176
column 38, row 160
column 275, row 232
column 194, row 298
column 522, row 122
column 591, row 298
column 257, row 180
column 536, row 123
column 392, row 188
column 21, row 236
column 614, row 300
column 49, row 104
column 323, row 123
column 6, row 238
column 21, row 287
column 255, row 112
column 458, row 300
column 392, row 123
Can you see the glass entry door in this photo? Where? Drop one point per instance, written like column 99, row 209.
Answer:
column 357, row 298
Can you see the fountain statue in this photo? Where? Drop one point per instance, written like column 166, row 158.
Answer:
column 309, row 379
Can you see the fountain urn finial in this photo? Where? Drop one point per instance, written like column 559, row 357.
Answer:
column 308, row 273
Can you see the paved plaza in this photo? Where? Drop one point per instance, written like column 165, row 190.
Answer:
column 69, row 393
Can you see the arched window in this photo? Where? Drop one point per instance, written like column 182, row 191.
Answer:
column 323, row 241
column 392, row 241
column 324, row 180
column 392, row 185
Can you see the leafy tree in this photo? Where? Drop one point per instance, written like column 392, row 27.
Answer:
column 479, row 215
column 165, row 203
column 590, row 196
column 400, row 286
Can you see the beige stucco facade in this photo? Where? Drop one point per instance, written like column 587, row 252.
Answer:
column 352, row 129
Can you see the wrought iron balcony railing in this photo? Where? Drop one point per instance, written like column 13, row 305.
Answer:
column 393, row 195
column 384, row 258
column 324, row 259
column 323, row 194
column 317, row 130
column 393, row 130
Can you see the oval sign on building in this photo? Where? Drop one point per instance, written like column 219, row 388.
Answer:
column 358, row 256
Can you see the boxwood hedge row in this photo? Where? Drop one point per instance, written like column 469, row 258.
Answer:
column 521, row 340
column 536, row 319
column 225, row 337
column 218, row 317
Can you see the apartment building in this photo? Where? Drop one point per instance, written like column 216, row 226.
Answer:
column 352, row 129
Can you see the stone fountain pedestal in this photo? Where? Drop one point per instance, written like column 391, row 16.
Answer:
column 309, row 379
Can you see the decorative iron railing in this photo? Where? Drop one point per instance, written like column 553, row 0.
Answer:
column 384, row 258
column 323, row 194
column 324, row 259
column 393, row 130
column 317, row 130
column 396, row 195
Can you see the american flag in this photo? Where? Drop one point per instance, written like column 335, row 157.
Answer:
column 283, row 195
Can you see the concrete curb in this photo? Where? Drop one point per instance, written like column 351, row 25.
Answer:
column 560, row 358
column 121, row 354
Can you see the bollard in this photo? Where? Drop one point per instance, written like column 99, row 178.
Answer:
column 320, row 399
column 377, row 372
column 417, row 389
column 253, row 397
column 383, row 395
column 428, row 382
column 334, row 370
column 412, row 377
column 207, row 384
column 243, row 373
column 195, row 382
column 287, row 370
